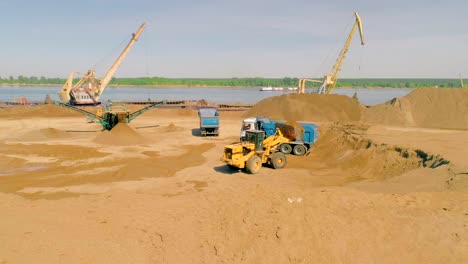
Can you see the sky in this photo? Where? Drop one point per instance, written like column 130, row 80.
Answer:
column 238, row 38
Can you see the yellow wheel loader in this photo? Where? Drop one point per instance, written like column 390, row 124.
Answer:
column 255, row 151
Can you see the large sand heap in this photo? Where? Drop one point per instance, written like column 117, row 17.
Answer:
column 429, row 107
column 120, row 135
column 47, row 110
column 308, row 107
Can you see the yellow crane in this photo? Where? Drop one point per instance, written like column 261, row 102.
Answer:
column 329, row 81
column 87, row 90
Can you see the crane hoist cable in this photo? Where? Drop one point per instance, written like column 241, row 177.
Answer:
column 329, row 81
column 145, row 43
column 147, row 46
column 336, row 46
column 110, row 54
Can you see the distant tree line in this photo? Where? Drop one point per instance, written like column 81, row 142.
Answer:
column 30, row 80
column 242, row 82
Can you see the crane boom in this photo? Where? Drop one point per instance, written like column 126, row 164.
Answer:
column 106, row 79
column 329, row 81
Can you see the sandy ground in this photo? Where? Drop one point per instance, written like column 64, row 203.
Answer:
column 156, row 192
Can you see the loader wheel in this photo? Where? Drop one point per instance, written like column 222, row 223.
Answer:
column 285, row 148
column 253, row 164
column 299, row 150
column 278, row 160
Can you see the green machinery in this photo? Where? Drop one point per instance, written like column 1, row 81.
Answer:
column 109, row 116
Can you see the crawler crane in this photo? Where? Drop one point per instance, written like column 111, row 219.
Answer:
column 88, row 90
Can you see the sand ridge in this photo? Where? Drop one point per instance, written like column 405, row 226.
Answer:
column 44, row 134
column 429, row 107
column 47, row 110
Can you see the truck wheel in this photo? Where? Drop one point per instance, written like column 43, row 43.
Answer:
column 285, row 148
column 299, row 150
column 253, row 164
column 278, row 160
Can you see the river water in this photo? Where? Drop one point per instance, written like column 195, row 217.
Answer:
column 367, row 96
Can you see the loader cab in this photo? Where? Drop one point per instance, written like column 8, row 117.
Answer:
column 255, row 137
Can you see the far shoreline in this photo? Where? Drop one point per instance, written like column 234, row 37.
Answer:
column 156, row 86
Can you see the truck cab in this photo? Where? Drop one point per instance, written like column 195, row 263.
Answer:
column 254, row 123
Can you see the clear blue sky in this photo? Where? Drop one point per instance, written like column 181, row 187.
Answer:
column 241, row 38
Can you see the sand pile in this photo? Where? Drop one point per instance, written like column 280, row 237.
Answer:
column 120, row 135
column 47, row 110
column 291, row 130
column 171, row 128
column 429, row 107
column 308, row 107
column 44, row 134
column 346, row 147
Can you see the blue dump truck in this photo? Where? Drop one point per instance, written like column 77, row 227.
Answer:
column 302, row 135
column 209, row 121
